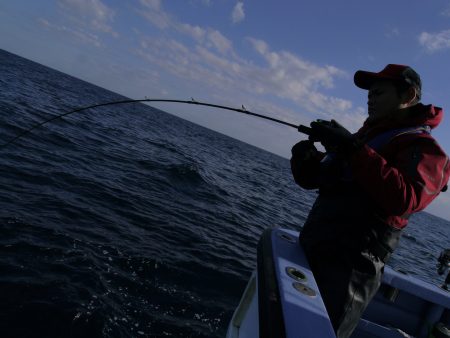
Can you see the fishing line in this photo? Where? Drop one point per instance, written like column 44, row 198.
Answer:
column 243, row 110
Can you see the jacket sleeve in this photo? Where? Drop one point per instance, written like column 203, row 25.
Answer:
column 412, row 178
column 305, row 169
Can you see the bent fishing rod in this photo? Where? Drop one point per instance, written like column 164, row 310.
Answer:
column 301, row 128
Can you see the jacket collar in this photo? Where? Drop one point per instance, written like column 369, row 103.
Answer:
column 416, row 115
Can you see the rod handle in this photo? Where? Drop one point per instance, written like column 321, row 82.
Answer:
column 304, row 129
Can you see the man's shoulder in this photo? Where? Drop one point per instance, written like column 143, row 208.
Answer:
column 419, row 143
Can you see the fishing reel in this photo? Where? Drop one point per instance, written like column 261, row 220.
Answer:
column 443, row 265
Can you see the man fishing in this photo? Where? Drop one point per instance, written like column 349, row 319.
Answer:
column 369, row 184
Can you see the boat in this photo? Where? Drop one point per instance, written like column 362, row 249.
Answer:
column 282, row 300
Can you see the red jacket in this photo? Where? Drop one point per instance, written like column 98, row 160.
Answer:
column 400, row 178
column 405, row 175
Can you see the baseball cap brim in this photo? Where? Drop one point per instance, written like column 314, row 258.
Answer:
column 365, row 80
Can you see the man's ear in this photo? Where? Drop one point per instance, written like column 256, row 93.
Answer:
column 410, row 96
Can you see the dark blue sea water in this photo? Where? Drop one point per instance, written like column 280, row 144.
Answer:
column 125, row 221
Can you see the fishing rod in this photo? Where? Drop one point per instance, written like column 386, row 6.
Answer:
column 301, row 128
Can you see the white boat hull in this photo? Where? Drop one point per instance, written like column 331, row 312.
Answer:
column 282, row 299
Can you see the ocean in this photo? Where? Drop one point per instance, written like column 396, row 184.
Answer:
column 126, row 221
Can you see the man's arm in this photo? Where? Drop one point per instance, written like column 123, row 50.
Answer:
column 418, row 173
column 305, row 164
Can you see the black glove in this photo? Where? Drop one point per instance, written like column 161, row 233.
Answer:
column 305, row 164
column 304, row 151
column 333, row 136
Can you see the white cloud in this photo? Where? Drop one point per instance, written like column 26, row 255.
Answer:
column 195, row 32
column 214, row 66
column 79, row 34
column 92, row 14
column 83, row 21
column 260, row 45
column 292, row 73
column 44, row 22
column 152, row 4
column 158, row 19
column 238, row 13
column 207, row 36
column 392, row 32
column 89, row 8
column 446, row 11
column 434, row 42
column 155, row 14
column 283, row 75
column 290, row 77
column 219, row 42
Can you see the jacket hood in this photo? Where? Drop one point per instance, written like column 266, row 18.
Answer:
column 417, row 115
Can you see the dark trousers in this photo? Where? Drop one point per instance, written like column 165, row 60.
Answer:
column 347, row 282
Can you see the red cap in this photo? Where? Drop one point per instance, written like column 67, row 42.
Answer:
column 391, row 72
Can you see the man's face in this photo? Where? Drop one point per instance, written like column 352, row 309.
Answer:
column 383, row 100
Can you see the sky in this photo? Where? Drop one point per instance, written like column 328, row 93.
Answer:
column 292, row 60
